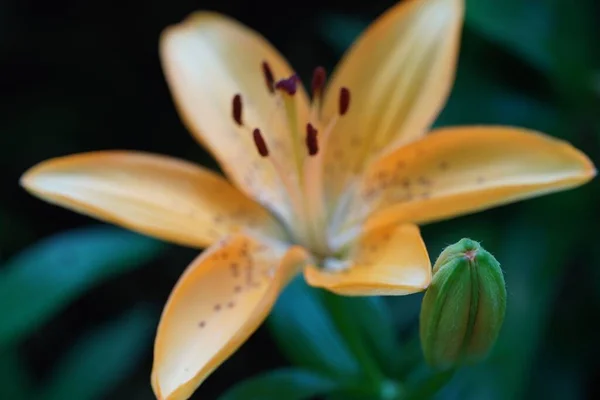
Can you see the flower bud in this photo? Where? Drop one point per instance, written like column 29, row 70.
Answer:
column 463, row 308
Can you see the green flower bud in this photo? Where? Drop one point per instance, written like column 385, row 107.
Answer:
column 463, row 308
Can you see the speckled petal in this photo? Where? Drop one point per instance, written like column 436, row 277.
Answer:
column 391, row 260
column 399, row 73
column 460, row 170
column 220, row 300
column 208, row 59
column 156, row 195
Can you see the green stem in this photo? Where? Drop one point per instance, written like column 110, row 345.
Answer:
column 343, row 319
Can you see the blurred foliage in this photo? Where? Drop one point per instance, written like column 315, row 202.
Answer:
column 102, row 359
column 45, row 277
column 83, row 76
column 291, row 384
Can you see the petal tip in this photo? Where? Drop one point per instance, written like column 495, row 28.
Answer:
column 24, row 180
column 28, row 179
column 425, row 286
column 588, row 169
column 592, row 171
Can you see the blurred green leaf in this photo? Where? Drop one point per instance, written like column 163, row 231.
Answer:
column 576, row 51
column 367, row 326
column 305, row 333
column 339, row 30
column 490, row 101
column 521, row 26
column 558, row 37
column 41, row 280
column 426, row 383
column 288, row 384
column 15, row 383
column 103, row 359
column 481, row 95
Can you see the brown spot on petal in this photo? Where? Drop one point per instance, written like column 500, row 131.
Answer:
column 201, row 324
column 217, row 307
column 424, row 181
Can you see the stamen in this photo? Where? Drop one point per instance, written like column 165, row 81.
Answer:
column 312, row 143
column 260, row 143
column 318, row 81
column 286, row 88
column 269, row 77
column 289, row 85
column 344, row 100
column 237, row 109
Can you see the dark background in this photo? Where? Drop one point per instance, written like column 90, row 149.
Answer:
column 79, row 76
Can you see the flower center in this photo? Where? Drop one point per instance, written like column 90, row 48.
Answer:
column 301, row 172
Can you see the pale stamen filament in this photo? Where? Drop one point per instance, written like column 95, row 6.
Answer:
column 346, row 232
column 313, row 225
column 313, row 175
column 286, row 89
column 305, row 188
column 264, row 147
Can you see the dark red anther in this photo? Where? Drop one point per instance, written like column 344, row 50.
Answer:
column 260, row 143
column 318, row 81
column 289, row 85
column 312, row 144
column 344, row 100
column 269, row 77
column 237, row 109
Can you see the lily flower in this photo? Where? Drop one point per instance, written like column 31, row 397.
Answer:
column 333, row 187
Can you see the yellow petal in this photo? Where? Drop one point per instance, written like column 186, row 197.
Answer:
column 156, row 195
column 391, row 260
column 399, row 73
column 460, row 170
column 220, row 300
column 207, row 60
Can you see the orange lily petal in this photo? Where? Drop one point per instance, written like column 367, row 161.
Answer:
column 399, row 73
column 461, row 170
column 156, row 195
column 207, row 60
column 220, row 300
column 391, row 260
